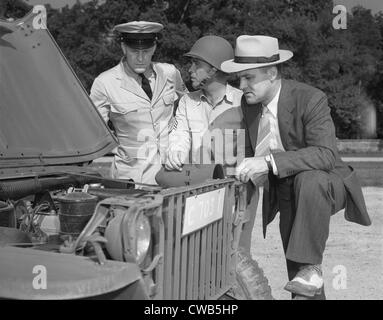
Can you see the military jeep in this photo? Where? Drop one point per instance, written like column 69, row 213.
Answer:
column 130, row 243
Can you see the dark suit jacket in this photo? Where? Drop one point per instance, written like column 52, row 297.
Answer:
column 308, row 136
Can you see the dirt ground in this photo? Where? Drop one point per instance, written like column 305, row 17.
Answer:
column 353, row 260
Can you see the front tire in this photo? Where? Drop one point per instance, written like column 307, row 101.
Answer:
column 251, row 283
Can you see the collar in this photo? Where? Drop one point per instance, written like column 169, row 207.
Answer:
column 228, row 94
column 273, row 104
column 149, row 72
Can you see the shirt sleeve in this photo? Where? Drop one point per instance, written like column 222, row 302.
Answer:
column 100, row 99
column 275, row 169
column 180, row 85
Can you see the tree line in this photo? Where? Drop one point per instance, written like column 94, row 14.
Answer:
column 347, row 64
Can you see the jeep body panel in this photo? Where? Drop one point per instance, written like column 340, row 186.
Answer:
column 46, row 116
column 23, row 272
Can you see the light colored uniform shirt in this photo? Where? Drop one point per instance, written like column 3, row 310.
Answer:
column 149, row 74
column 195, row 115
column 141, row 124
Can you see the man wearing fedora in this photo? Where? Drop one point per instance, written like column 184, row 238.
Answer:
column 137, row 97
column 291, row 139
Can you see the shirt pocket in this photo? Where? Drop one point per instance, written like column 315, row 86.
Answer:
column 166, row 107
column 123, row 108
column 130, row 115
column 168, row 100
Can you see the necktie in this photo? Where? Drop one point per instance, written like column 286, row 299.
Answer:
column 146, row 86
column 264, row 134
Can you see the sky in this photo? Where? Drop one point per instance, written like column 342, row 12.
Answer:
column 54, row 3
column 374, row 5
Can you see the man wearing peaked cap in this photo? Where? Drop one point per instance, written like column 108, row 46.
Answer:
column 291, row 141
column 139, row 34
column 137, row 98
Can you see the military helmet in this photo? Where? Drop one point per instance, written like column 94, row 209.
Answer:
column 212, row 49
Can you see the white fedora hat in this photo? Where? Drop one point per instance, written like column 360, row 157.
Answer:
column 255, row 52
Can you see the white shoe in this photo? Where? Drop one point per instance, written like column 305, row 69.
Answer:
column 308, row 282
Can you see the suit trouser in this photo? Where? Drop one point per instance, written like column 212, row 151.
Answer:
column 251, row 209
column 306, row 203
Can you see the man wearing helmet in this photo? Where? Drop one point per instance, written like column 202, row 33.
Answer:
column 137, row 97
column 214, row 106
column 213, row 111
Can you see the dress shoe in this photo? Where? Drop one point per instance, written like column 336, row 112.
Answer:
column 308, row 282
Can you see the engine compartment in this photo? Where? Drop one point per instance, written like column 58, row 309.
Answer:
column 47, row 211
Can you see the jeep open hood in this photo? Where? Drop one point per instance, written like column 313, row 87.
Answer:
column 46, row 116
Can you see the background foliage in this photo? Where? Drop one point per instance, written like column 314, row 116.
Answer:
column 346, row 64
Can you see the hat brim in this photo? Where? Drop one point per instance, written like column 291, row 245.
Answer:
column 191, row 55
column 140, row 46
column 230, row 66
column 195, row 56
column 139, row 40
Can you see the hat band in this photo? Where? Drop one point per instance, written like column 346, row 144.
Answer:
column 273, row 58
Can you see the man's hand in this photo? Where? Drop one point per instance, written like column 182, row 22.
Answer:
column 251, row 168
column 175, row 160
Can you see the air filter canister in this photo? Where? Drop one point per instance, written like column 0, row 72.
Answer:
column 76, row 209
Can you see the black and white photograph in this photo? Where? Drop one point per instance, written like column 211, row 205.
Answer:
column 201, row 152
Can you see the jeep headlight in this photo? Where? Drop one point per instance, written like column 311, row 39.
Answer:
column 143, row 233
column 128, row 235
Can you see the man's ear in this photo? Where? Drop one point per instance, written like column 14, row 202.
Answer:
column 123, row 48
column 212, row 71
column 272, row 73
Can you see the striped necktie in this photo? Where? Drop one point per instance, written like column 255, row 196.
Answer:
column 264, row 134
column 146, row 86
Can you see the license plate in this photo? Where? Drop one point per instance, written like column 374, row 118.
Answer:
column 203, row 209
